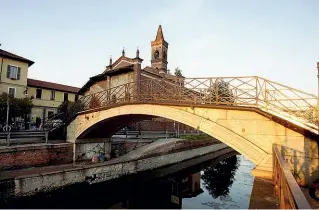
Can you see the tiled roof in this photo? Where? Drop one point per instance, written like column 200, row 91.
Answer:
column 52, row 86
column 15, row 57
column 120, row 70
column 102, row 76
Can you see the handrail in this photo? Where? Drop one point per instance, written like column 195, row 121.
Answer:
column 287, row 103
column 286, row 188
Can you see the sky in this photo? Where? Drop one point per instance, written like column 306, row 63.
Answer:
column 72, row 40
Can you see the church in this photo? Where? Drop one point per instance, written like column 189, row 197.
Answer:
column 125, row 70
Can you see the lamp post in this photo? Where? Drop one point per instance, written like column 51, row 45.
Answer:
column 7, row 122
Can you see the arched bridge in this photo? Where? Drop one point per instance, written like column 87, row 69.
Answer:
column 249, row 114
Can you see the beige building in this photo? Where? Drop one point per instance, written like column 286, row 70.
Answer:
column 125, row 70
column 46, row 96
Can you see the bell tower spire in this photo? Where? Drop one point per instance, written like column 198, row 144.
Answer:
column 159, row 35
column 159, row 52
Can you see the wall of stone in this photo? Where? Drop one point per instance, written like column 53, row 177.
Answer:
column 94, row 173
column 119, row 149
column 87, row 148
column 17, row 157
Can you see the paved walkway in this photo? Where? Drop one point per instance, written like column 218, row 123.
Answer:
column 135, row 154
column 262, row 195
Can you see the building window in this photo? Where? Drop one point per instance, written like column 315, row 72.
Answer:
column 13, row 72
column 66, row 97
column 50, row 113
column 38, row 93
column 52, row 96
column 76, row 97
column 11, row 92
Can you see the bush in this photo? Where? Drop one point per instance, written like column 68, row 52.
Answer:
column 196, row 137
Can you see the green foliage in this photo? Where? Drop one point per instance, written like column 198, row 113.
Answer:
column 195, row 137
column 69, row 108
column 19, row 107
column 220, row 92
column 178, row 72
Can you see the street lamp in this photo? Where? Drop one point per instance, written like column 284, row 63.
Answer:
column 7, row 121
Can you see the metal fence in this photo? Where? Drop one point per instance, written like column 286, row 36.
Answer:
column 274, row 98
column 287, row 190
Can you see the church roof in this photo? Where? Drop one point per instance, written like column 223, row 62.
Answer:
column 154, row 72
column 102, row 76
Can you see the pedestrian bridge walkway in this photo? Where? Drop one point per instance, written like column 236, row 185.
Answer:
column 249, row 114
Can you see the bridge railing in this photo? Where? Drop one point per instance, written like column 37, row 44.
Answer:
column 287, row 190
column 283, row 101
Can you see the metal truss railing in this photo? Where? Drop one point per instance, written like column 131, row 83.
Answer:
column 285, row 102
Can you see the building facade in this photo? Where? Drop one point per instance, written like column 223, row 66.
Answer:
column 126, row 70
column 46, row 96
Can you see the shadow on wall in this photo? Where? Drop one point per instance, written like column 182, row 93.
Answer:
column 303, row 165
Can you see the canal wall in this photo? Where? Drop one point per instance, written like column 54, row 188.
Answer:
column 24, row 185
column 24, row 156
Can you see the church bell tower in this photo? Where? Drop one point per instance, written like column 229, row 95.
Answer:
column 159, row 52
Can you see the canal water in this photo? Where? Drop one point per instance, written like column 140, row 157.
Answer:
column 226, row 183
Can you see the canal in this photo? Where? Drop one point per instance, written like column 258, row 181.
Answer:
column 219, row 183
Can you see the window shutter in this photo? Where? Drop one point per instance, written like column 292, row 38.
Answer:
column 8, row 72
column 18, row 75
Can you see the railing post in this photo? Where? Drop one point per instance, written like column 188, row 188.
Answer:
column 257, row 82
column 318, row 98
column 8, row 138
column 216, row 90
column 266, row 96
column 46, row 137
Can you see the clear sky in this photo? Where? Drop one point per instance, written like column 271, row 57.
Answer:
column 72, row 40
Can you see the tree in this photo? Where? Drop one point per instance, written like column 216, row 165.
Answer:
column 220, row 93
column 178, row 72
column 19, row 107
column 218, row 178
column 68, row 109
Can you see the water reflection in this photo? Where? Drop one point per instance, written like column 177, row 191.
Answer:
column 225, row 184
column 218, row 178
